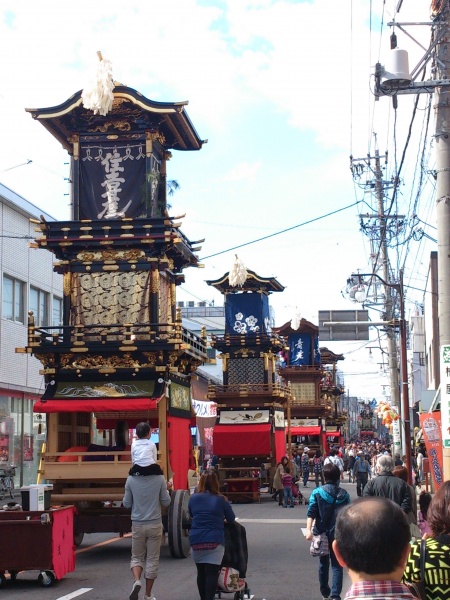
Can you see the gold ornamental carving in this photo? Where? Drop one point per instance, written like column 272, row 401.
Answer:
column 118, row 125
column 173, row 357
column 195, row 364
column 126, row 361
column 48, row 360
column 111, row 255
column 151, row 358
column 155, row 281
column 67, row 284
column 155, row 136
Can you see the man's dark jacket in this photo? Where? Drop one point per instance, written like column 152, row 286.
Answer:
column 389, row 486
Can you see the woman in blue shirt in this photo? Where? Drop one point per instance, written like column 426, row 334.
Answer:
column 208, row 509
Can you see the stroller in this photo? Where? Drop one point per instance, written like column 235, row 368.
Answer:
column 299, row 498
column 234, row 563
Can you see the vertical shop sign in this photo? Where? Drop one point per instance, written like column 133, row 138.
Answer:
column 445, row 395
column 431, row 426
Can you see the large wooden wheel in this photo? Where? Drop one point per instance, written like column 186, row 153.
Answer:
column 178, row 524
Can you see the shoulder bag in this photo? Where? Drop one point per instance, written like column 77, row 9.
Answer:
column 320, row 545
column 417, row 588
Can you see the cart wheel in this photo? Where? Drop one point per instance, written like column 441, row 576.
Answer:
column 178, row 523
column 46, row 578
column 78, row 538
column 2, row 580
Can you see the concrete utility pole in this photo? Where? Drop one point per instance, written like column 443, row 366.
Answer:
column 442, row 140
column 383, row 262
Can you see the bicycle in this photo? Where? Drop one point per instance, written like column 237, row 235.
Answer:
column 7, row 481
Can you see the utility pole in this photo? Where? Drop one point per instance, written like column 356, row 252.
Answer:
column 381, row 262
column 442, row 140
column 388, row 305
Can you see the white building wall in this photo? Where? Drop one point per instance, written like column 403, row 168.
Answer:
column 32, row 267
column 417, row 371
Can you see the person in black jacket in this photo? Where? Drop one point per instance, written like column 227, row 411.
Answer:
column 389, row 486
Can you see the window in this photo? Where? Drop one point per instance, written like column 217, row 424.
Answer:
column 12, row 302
column 57, row 311
column 39, row 306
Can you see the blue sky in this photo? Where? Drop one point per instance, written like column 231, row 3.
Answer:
column 281, row 90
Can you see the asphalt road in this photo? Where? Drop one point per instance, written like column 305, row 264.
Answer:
column 279, row 567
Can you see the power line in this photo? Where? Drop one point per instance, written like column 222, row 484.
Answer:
column 266, row 237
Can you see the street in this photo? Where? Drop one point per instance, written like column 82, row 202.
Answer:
column 279, row 565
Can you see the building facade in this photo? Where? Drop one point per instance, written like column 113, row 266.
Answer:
column 28, row 283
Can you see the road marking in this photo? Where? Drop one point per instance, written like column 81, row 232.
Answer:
column 75, row 593
column 105, row 543
column 274, row 521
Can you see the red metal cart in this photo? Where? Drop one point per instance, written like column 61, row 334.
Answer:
column 37, row 540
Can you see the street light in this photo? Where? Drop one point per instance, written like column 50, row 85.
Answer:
column 404, row 365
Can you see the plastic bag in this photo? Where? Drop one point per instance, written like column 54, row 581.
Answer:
column 229, row 580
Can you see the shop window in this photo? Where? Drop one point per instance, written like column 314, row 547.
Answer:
column 13, row 299
column 39, row 306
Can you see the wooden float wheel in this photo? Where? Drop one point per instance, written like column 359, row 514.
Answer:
column 178, row 524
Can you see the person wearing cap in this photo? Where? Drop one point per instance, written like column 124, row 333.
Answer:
column 361, row 472
column 305, row 466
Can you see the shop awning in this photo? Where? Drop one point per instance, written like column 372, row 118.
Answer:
column 242, row 440
column 370, row 433
column 332, row 433
column 96, row 405
column 306, row 430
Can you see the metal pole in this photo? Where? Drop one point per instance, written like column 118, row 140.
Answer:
column 405, row 388
column 442, row 140
column 22, row 425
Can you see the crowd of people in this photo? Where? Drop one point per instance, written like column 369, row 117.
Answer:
column 386, row 539
column 393, row 542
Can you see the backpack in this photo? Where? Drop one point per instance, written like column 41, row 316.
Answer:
column 317, row 465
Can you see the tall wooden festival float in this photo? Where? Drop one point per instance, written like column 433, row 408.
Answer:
column 310, row 372
column 249, row 436
column 121, row 354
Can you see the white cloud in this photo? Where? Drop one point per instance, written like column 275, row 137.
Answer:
column 280, row 88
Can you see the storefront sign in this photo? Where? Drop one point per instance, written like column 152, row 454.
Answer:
column 432, row 434
column 204, row 409
column 445, row 395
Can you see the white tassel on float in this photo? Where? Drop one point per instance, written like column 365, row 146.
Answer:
column 295, row 321
column 238, row 273
column 98, row 96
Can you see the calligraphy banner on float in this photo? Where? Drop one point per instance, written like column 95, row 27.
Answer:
column 113, row 180
column 432, row 434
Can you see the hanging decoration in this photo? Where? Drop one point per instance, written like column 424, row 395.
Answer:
column 98, row 96
column 386, row 414
column 295, row 321
column 238, row 273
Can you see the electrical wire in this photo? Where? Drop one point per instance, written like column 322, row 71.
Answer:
column 266, row 237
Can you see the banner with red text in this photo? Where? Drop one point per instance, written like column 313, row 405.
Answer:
column 432, row 434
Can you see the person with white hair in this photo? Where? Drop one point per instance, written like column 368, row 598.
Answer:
column 389, row 486
column 305, row 466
